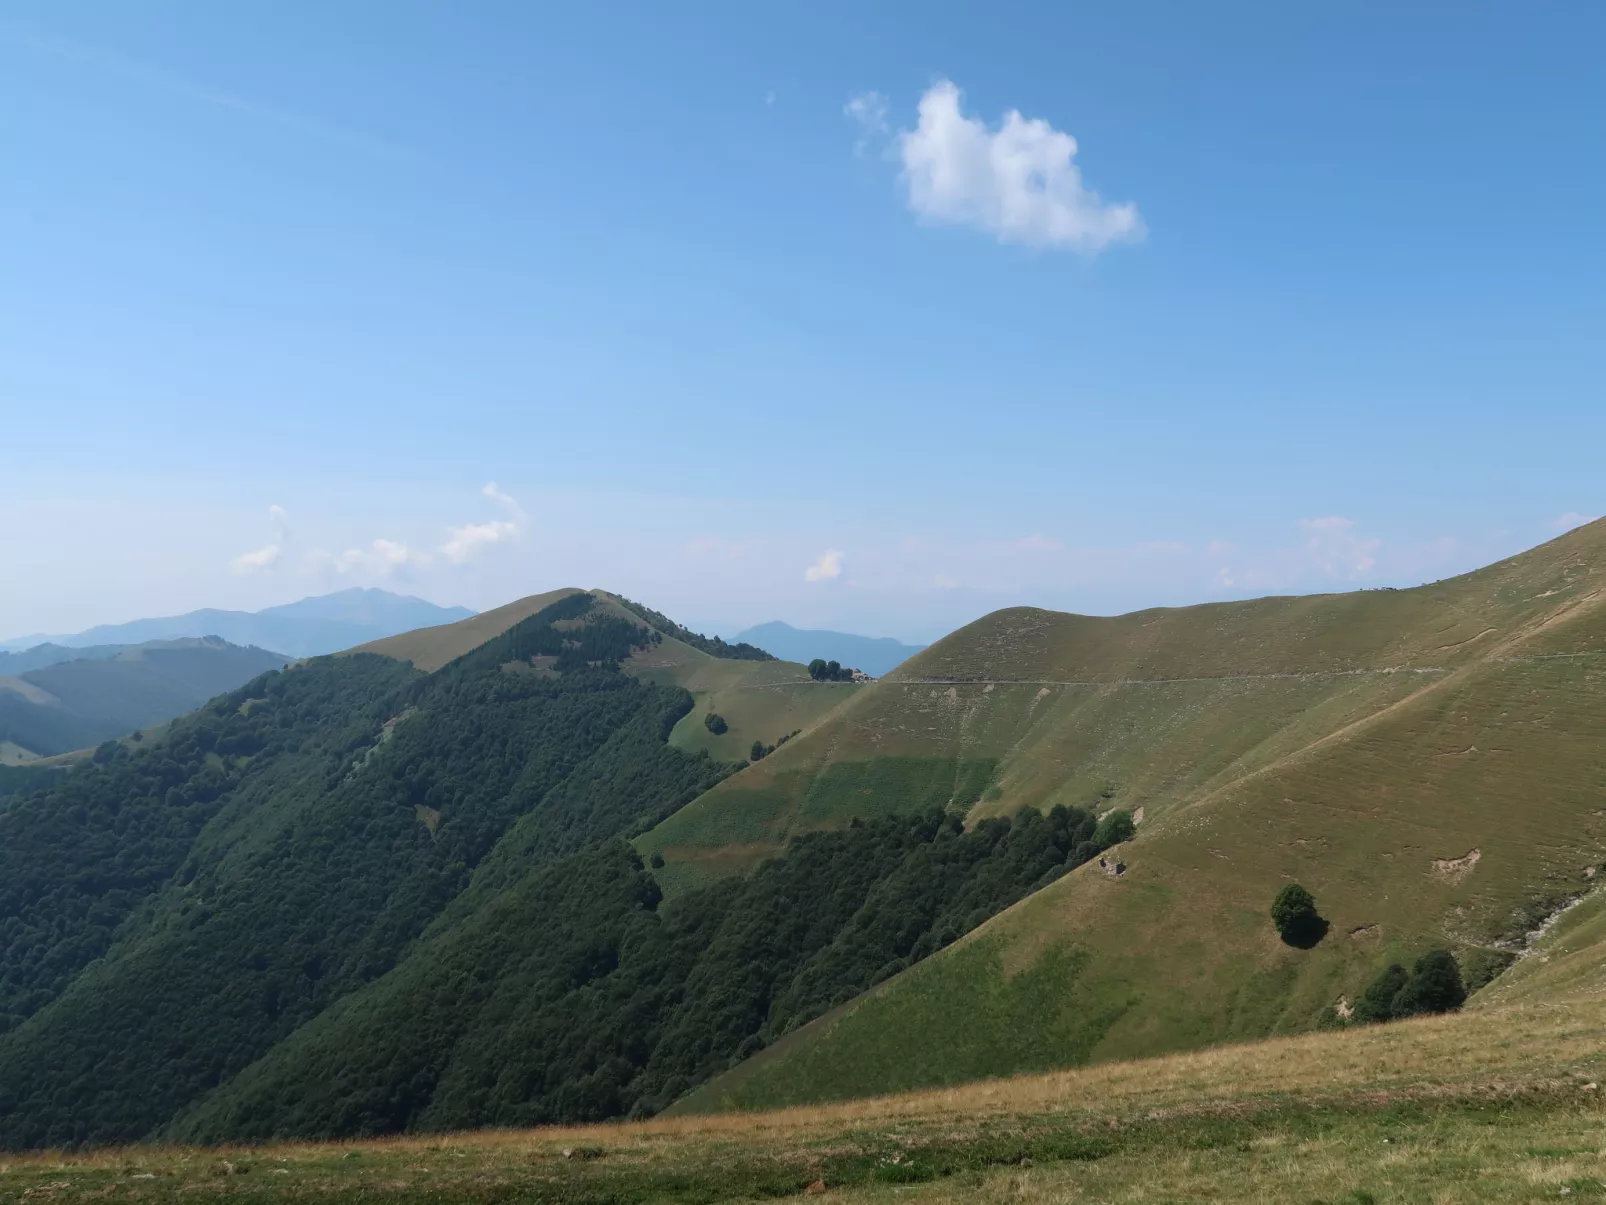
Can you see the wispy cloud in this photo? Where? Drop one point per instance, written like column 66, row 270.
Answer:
column 261, row 558
column 1573, row 519
column 496, row 494
column 826, row 568
column 869, row 109
column 1334, row 547
column 120, row 66
column 269, row 554
column 380, row 559
column 464, row 543
column 1019, row 182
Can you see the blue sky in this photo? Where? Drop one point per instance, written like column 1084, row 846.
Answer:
column 771, row 311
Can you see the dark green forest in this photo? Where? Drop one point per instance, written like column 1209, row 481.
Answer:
column 570, row 995
column 285, row 845
column 714, row 646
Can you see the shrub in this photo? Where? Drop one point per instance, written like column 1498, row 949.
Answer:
column 1377, row 1002
column 716, row 724
column 1116, row 827
column 1482, row 964
column 1294, row 913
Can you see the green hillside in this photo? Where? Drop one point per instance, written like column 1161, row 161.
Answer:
column 1494, row 1104
column 1428, row 762
column 535, row 884
column 353, row 898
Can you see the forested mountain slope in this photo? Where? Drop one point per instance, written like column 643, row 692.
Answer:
column 1428, row 762
column 352, row 897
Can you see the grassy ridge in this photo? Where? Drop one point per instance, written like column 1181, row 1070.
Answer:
column 1426, row 761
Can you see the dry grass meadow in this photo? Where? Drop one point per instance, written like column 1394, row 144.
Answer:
column 1495, row 1104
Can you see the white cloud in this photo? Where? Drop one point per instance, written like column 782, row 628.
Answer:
column 496, row 494
column 269, row 554
column 943, row 582
column 1573, row 519
column 1333, row 546
column 380, row 559
column 465, row 542
column 829, row 566
column 869, row 109
column 262, row 558
column 1019, row 182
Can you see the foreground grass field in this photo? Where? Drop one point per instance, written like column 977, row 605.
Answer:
column 1499, row 1104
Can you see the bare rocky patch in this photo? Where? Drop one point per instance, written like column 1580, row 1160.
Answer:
column 1453, row 870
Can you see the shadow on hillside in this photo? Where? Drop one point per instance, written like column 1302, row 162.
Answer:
column 1306, row 932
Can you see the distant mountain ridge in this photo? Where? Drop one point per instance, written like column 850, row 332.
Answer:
column 874, row 655
column 73, row 704
column 324, row 623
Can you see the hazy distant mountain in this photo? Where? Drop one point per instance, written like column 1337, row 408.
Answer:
column 74, row 704
column 40, row 655
column 324, row 624
column 874, row 655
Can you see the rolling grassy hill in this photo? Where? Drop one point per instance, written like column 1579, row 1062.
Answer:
column 1428, row 762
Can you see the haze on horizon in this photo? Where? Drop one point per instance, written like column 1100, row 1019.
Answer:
column 874, row 321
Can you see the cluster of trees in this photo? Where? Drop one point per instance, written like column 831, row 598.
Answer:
column 287, row 845
column 822, row 670
column 1432, row 985
column 26, row 779
column 714, row 646
column 570, row 996
column 716, row 724
column 760, row 750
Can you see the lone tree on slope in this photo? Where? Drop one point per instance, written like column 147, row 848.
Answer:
column 1294, row 913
